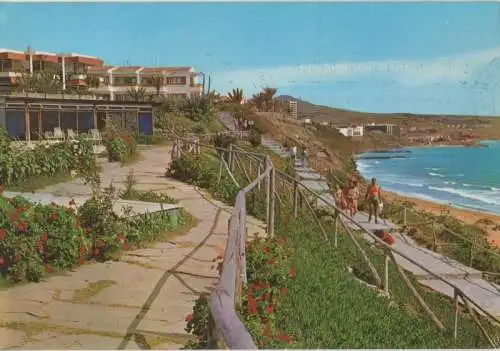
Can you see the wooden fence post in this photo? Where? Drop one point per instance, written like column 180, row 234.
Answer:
column 386, row 275
column 295, row 198
column 231, row 157
column 272, row 190
column 268, row 199
column 455, row 304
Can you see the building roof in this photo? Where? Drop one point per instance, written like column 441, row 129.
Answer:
column 11, row 51
column 126, row 69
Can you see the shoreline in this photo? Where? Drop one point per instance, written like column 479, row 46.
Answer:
column 465, row 215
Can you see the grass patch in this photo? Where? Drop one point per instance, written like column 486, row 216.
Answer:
column 327, row 306
column 148, row 196
column 91, row 290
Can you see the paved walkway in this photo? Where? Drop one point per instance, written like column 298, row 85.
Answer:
column 139, row 302
column 484, row 293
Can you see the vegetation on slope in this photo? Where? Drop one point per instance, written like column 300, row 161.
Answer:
column 318, row 296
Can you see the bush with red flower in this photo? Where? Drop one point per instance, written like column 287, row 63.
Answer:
column 269, row 271
column 121, row 145
column 37, row 239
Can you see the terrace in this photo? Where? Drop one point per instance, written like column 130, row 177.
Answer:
column 39, row 119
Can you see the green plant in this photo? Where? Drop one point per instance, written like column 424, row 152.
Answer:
column 18, row 166
column 198, row 325
column 255, row 138
column 38, row 239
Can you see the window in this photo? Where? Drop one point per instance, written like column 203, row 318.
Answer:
column 125, row 80
column 176, row 80
column 146, row 81
column 5, row 65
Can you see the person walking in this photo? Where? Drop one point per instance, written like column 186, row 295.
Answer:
column 294, row 153
column 373, row 196
column 351, row 194
column 305, row 157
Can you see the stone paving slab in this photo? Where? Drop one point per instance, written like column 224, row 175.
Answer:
column 485, row 294
column 150, row 289
column 317, row 186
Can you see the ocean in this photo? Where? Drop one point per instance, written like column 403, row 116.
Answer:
column 465, row 177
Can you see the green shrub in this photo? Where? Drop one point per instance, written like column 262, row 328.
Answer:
column 224, row 140
column 121, row 148
column 255, row 138
column 35, row 239
column 18, row 166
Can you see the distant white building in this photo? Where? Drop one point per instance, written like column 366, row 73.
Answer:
column 293, row 109
column 351, row 131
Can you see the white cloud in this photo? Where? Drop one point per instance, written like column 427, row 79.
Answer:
column 463, row 68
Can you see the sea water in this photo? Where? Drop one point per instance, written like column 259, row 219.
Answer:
column 465, row 177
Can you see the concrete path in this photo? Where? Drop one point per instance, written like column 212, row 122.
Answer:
column 484, row 293
column 139, row 302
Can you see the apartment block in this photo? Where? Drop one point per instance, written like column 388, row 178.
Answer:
column 118, row 83
column 70, row 68
column 89, row 74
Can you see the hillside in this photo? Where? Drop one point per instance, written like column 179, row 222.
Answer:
column 457, row 128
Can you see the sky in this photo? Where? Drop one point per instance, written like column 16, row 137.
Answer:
column 433, row 58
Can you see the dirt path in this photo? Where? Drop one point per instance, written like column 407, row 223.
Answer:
column 139, row 302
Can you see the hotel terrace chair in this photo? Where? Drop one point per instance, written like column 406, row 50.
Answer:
column 96, row 135
column 71, row 135
column 58, row 133
column 47, row 135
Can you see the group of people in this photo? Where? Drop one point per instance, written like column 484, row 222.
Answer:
column 347, row 198
column 242, row 124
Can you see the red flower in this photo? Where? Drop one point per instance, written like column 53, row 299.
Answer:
column 83, row 249
column 270, row 309
column 3, row 233
column 45, row 237
column 14, row 217
column 266, row 249
column 2, row 261
column 121, row 237
column 96, row 252
column 252, row 306
column 126, row 246
column 285, row 338
column 189, row 317
column 272, row 261
column 100, row 243
column 48, row 268
column 54, row 216
column 266, row 331
column 293, row 273
column 22, row 227
column 284, row 291
column 282, row 241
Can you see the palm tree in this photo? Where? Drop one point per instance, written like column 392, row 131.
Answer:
column 268, row 95
column 157, row 81
column 47, row 82
column 93, row 81
column 259, row 101
column 197, row 107
column 136, row 94
column 24, row 83
column 236, row 96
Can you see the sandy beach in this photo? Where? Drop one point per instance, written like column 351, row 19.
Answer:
column 466, row 216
